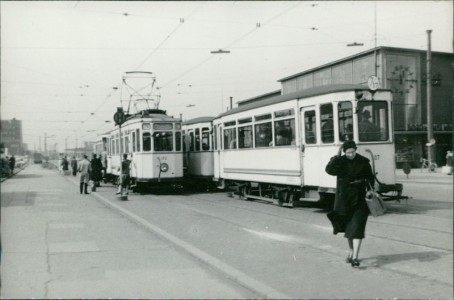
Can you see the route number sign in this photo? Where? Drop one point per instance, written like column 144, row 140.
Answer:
column 119, row 117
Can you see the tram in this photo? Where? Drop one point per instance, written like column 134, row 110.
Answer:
column 277, row 149
column 153, row 142
column 198, row 151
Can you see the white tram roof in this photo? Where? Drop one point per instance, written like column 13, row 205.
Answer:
column 311, row 92
column 198, row 120
column 155, row 114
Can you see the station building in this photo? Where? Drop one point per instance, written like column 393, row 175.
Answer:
column 403, row 71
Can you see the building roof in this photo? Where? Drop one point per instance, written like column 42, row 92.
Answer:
column 364, row 53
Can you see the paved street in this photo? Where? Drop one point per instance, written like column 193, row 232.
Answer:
column 57, row 243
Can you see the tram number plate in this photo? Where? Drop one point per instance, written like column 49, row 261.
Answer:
column 376, row 157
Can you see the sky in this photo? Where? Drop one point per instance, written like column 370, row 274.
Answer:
column 63, row 62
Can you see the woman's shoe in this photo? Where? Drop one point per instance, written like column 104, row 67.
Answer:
column 349, row 259
column 355, row 263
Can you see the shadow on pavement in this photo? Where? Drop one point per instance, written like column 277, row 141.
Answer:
column 21, row 176
column 18, row 199
column 382, row 260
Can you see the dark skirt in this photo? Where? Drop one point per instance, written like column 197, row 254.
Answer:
column 356, row 227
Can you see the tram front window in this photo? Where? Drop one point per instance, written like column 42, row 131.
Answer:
column 163, row 141
column 373, row 121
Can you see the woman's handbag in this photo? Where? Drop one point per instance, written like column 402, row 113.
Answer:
column 375, row 202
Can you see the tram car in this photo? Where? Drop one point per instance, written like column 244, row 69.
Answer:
column 153, row 142
column 276, row 149
column 198, row 151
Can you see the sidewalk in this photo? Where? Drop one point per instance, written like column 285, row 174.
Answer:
column 424, row 176
column 57, row 243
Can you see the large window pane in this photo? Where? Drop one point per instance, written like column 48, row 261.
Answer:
column 197, row 139
column 245, row 136
column 345, row 115
column 178, row 141
column 373, row 121
column 230, row 138
column 205, row 138
column 284, row 131
column 326, row 123
column 310, row 120
column 263, row 135
column 146, row 141
column 163, row 141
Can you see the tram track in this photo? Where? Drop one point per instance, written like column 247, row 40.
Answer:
column 307, row 242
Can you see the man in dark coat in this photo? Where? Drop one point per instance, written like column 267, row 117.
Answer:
column 96, row 170
column 74, row 165
column 354, row 177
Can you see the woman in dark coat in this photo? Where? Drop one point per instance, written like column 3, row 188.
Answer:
column 354, row 174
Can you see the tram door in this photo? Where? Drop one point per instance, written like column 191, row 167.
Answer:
column 310, row 149
column 217, row 150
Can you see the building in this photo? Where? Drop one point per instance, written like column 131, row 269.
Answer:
column 403, row 71
column 11, row 136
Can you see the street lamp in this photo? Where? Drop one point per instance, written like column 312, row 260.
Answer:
column 220, row 51
column 354, row 44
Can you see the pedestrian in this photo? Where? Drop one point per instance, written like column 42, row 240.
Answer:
column 354, row 177
column 124, row 176
column 96, row 170
column 64, row 164
column 74, row 165
column 12, row 164
column 85, row 170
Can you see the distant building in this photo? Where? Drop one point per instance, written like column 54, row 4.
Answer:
column 403, row 71
column 11, row 136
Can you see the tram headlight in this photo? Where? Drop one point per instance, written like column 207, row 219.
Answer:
column 164, row 167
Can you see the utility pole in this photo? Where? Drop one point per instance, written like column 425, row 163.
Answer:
column 430, row 133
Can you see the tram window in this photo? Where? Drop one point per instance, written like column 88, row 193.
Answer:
column 230, row 138
column 112, row 146
column 327, row 123
column 138, row 140
column 126, row 144
column 215, row 138
column 373, row 121
column 191, row 141
column 310, row 131
column 163, row 141
column 263, row 135
column 146, row 141
column 205, row 138
column 284, row 132
column 133, row 142
column 197, row 139
column 117, row 146
column 345, row 116
column 245, row 137
column 178, row 141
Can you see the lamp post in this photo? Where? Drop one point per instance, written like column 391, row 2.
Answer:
column 220, row 51
column 430, row 133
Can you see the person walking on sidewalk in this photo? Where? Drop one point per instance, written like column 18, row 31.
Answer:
column 85, row 170
column 74, row 165
column 96, row 170
column 354, row 175
column 12, row 164
column 125, row 171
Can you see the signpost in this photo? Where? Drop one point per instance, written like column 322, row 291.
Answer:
column 119, row 118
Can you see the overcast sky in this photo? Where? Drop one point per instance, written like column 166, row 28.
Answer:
column 61, row 61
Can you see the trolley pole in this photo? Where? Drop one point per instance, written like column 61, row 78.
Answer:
column 430, row 134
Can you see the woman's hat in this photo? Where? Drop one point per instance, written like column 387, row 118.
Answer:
column 348, row 145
